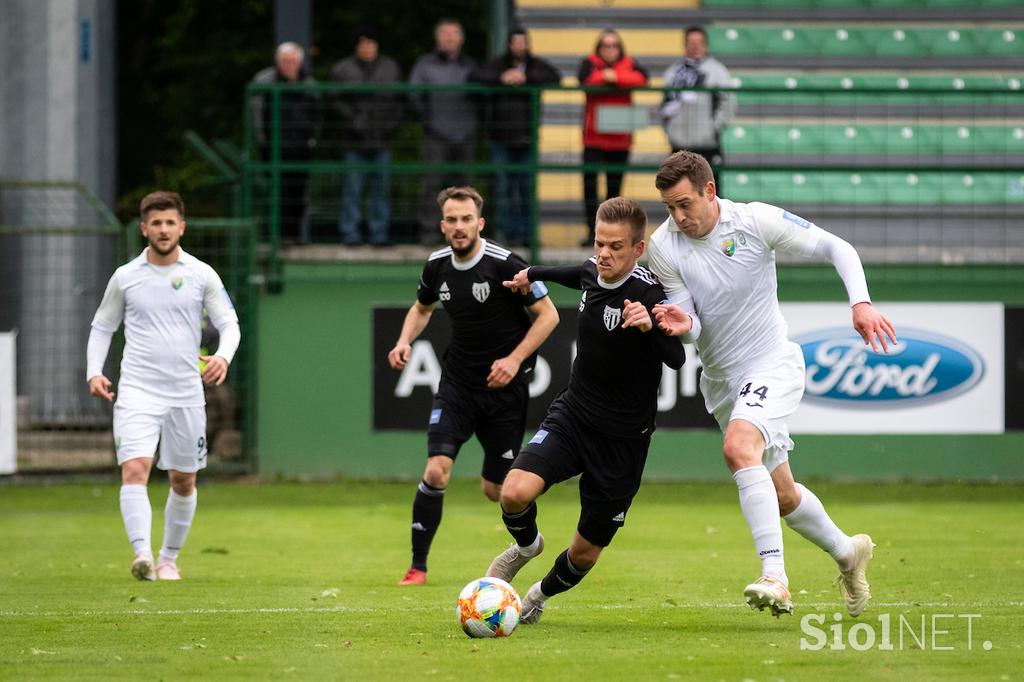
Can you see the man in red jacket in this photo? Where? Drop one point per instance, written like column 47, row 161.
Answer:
column 607, row 66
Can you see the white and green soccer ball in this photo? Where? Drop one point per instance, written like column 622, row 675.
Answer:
column 489, row 607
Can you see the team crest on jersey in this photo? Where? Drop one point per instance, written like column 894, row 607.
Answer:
column 729, row 244
column 583, row 300
column 612, row 317
column 177, row 282
column 481, row 290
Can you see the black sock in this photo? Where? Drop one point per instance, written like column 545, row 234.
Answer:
column 426, row 517
column 562, row 576
column 522, row 525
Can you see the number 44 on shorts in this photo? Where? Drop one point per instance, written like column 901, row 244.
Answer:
column 761, row 392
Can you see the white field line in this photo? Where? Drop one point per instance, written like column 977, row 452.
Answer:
column 802, row 606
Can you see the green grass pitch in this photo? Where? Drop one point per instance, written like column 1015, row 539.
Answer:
column 299, row 581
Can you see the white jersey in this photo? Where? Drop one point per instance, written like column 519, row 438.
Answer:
column 162, row 309
column 730, row 275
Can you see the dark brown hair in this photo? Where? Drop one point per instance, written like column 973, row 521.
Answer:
column 684, row 164
column 624, row 210
column 161, row 201
column 461, row 194
column 610, row 32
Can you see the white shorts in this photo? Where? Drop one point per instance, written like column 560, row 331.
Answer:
column 180, row 432
column 765, row 394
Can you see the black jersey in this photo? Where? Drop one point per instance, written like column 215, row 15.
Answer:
column 488, row 320
column 614, row 383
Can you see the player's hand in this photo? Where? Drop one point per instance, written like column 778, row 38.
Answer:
column 872, row 326
column 216, row 369
column 634, row 314
column 672, row 319
column 609, row 75
column 399, row 355
column 99, row 386
column 503, row 370
column 520, row 282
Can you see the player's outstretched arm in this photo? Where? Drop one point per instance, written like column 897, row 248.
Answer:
column 415, row 322
column 545, row 319
column 520, row 283
column 873, row 326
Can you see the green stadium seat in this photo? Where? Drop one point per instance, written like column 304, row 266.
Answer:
column 879, row 139
column 836, row 41
column 875, row 187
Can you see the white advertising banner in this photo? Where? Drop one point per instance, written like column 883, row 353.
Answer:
column 945, row 376
column 8, row 427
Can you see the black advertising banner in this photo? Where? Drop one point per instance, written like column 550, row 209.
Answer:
column 1014, row 406
column 401, row 399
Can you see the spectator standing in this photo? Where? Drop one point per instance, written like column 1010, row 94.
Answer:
column 609, row 65
column 369, row 121
column 449, row 120
column 695, row 120
column 509, row 117
column 298, row 134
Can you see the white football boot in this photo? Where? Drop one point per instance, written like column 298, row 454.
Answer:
column 508, row 563
column 142, row 567
column 853, row 583
column 533, row 605
column 768, row 592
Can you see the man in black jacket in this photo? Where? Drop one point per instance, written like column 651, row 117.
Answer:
column 368, row 121
column 297, row 119
column 510, row 127
column 601, row 425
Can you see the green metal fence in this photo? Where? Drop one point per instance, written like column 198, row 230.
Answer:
column 910, row 172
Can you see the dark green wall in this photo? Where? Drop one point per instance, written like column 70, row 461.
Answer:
column 314, row 391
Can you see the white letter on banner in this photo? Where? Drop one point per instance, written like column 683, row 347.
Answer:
column 423, row 369
column 541, row 378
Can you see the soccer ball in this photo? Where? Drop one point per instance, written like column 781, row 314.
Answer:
column 489, row 607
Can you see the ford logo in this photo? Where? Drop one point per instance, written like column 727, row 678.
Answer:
column 922, row 368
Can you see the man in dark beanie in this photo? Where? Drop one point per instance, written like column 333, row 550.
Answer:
column 368, row 122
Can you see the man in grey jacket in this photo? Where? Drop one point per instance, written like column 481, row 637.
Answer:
column 449, row 120
column 368, row 122
column 694, row 120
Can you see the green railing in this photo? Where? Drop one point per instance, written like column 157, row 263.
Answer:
column 931, row 139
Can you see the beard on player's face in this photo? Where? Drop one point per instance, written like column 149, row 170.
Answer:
column 163, row 247
column 461, row 251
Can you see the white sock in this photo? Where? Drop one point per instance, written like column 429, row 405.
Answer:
column 531, row 549
column 812, row 521
column 760, row 505
column 178, row 516
column 138, row 517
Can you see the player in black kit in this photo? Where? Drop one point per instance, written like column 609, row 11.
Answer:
column 488, row 363
column 601, row 425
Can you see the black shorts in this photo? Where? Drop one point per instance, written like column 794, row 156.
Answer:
column 611, row 469
column 497, row 417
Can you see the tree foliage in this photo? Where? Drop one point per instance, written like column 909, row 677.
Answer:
column 184, row 65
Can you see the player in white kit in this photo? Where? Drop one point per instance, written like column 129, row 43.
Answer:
column 160, row 297
column 716, row 262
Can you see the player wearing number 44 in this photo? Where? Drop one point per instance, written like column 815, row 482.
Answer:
column 160, row 296
column 716, row 261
